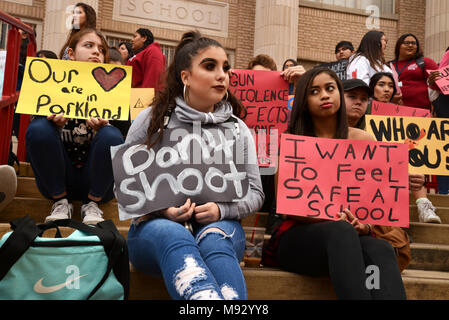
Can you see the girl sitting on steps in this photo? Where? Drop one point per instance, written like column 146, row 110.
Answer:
column 71, row 158
column 344, row 248
column 204, row 263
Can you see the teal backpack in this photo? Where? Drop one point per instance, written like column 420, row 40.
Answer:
column 91, row 263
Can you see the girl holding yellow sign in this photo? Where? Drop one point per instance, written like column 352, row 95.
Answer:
column 71, row 157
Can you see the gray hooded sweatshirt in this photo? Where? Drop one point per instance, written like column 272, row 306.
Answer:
column 184, row 114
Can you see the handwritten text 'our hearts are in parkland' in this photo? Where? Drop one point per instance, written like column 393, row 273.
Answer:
column 76, row 89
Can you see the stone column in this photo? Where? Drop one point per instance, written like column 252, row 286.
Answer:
column 276, row 29
column 437, row 29
column 57, row 22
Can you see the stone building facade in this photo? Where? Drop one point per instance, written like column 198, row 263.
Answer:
column 304, row 29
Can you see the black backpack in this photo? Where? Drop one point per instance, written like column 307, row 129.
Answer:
column 420, row 62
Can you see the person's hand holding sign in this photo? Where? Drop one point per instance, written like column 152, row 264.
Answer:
column 181, row 214
column 58, row 119
column 433, row 76
column 207, row 213
column 293, row 73
column 397, row 98
column 362, row 229
column 97, row 123
column 416, row 181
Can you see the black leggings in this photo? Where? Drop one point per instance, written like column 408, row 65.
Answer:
column 334, row 248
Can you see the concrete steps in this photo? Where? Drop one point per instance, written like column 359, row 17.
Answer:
column 426, row 285
column 26, row 188
column 274, row 284
column 429, row 233
column 25, row 169
column 39, row 208
column 427, row 276
column 419, row 284
column 432, row 257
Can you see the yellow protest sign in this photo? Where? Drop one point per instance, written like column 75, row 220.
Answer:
column 141, row 98
column 427, row 140
column 77, row 89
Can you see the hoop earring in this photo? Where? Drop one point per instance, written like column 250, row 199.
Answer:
column 184, row 93
column 226, row 96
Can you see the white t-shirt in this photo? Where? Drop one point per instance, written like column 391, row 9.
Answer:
column 360, row 68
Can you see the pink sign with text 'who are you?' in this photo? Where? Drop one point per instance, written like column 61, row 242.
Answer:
column 265, row 96
column 320, row 177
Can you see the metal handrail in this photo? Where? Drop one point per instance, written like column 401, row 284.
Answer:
column 10, row 95
column 18, row 24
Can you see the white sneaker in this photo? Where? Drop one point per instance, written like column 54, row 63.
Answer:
column 426, row 211
column 61, row 209
column 91, row 214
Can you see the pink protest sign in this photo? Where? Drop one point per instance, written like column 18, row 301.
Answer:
column 389, row 109
column 265, row 96
column 443, row 82
column 320, row 177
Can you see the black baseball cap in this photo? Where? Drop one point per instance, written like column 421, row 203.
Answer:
column 351, row 84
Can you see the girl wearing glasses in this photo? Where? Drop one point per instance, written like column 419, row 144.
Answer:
column 410, row 66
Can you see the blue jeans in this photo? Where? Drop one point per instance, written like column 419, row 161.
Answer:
column 199, row 266
column 54, row 171
column 443, row 184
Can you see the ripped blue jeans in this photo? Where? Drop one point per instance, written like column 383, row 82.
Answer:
column 203, row 266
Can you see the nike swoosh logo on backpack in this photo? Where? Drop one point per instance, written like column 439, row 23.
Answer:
column 39, row 288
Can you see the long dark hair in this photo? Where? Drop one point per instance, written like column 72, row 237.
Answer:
column 164, row 102
column 300, row 119
column 371, row 48
column 91, row 23
column 375, row 79
column 401, row 40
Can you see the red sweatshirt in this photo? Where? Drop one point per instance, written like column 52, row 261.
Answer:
column 414, row 82
column 148, row 66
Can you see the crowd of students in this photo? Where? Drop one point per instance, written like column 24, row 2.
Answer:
column 402, row 81
column 71, row 159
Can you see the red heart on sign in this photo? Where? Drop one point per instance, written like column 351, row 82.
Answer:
column 108, row 80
